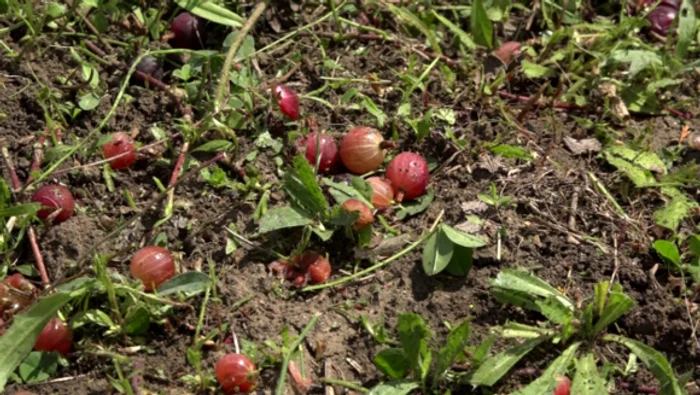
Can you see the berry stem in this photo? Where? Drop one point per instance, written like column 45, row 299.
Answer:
column 387, row 144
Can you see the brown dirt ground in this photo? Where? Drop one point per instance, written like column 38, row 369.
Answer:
column 535, row 235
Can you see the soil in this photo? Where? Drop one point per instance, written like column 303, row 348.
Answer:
column 534, row 230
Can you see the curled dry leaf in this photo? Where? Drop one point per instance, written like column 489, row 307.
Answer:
column 584, row 146
column 474, row 207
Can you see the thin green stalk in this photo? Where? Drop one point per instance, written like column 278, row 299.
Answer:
column 346, row 384
column 292, row 348
column 607, row 194
column 226, row 71
column 379, row 265
column 334, row 10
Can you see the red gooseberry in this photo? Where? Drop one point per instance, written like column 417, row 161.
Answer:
column 56, row 336
column 153, row 265
column 188, row 31
column 365, row 217
column 56, row 201
column 317, row 267
column 236, row 374
column 363, row 150
column 288, row 101
column 409, row 175
column 329, row 150
column 563, row 386
column 121, row 145
column 18, row 281
column 382, row 192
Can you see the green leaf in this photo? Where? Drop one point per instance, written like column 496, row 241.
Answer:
column 555, row 310
column 638, row 59
column 342, row 192
column 494, row 367
column 342, row 217
column 137, row 322
column 533, row 70
column 483, row 350
column 618, row 304
column 547, row 382
column 393, row 362
column 409, row 18
column 654, row 361
column 416, row 206
column 587, row 380
column 437, row 253
column 515, row 280
column 212, row 12
column 38, row 366
column 461, row 262
column 414, row 336
column 511, row 152
column 461, row 238
column 189, row 283
column 694, row 244
column 19, row 339
column 363, row 188
column 646, row 160
column 266, row 141
column 282, row 218
column 454, row 346
column 671, row 215
column 303, row 189
column 89, row 101
column 400, row 387
column 686, row 27
column 456, row 30
column 668, row 251
column 481, row 25
column 601, row 296
column 20, row 209
column 215, row 146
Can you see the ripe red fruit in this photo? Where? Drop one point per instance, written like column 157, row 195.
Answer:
column 508, row 51
column 153, row 265
column 563, row 386
column 661, row 18
column 317, row 267
column 356, row 205
column 188, row 31
column 329, row 150
column 18, row 281
column 56, row 336
column 236, row 374
column 288, row 101
column 121, row 143
column 2, row 325
column 363, row 150
column 382, row 192
column 54, row 198
column 409, row 175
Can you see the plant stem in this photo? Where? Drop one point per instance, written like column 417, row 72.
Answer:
column 346, row 384
column 292, row 348
column 381, row 264
column 226, row 70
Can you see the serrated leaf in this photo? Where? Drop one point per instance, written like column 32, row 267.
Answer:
column 215, row 146
column 686, row 27
column 393, row 362
column 638, row 59
column 303, row 189
column 528, row 284
column 618, row 304
column 587, row 380
column 668, row 251
column 342, row 192
column 401, row 387
column 481, row 25
column 554, row 310
column 639, row 176
column 454, row 346
column 212, row 12
column 496, row 366
column 416, row 206
column 189, row 283
column 547, row 382
column 20, row 337
column 437, row 252
column 646, row 160
column 671, row 215
column 461, row 238
column 414, row 336
column 534, row 70
column 282, row 218
column 655, row 362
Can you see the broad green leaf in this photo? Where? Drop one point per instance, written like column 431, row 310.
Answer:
column 215, row 146
column 638, row 59
column 534, row 70
column 342, row 192
column 511, row 152
column 393, row 362
column 303, row 189
column 686, row 27
column 38, row 366
column 19, row 339
column 20, row 209
column 89, row 101
column 554, row 310
column 639, row 176
column 587, row 380
column 654, row 361
column 694, row 244
column 281, row 218
column 416, row 206
column 618, row 304
column 521, row 299
column 481, row 25
column 212, row 12
column 414, row 336
column 483, row 350
column 496, row 366
column 646, row 160
column 671, row 215
column 461, row 262
column 137, row 322
column 437, row 253
column 460, row 238
column 547, row 382
column 401, row 387
column 668, row 251
column 454, row 346
column 456, row 30
column 189, row 283
column 523, row 282
column 363, row 188
column 342, row 217
column 601, row 296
